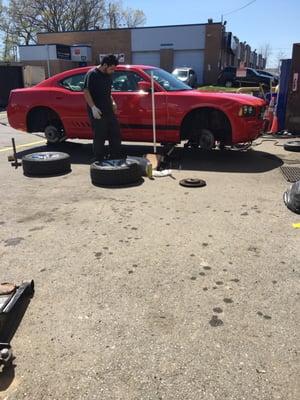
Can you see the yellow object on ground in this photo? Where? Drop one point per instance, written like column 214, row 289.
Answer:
column 296, row 226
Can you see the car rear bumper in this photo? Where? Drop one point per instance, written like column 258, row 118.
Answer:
column 16, row 117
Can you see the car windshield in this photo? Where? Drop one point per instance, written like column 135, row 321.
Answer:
column 180, row 73
column 262, row 72
column 166, row 80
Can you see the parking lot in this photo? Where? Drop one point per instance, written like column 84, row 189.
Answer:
column 155, row 291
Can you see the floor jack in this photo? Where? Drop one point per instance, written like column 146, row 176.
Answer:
column 10, row 298
column 13, row 159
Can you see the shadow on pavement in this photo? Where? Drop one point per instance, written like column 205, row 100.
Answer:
column 251, row 161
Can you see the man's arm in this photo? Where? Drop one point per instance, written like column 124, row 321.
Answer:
column 88, row 98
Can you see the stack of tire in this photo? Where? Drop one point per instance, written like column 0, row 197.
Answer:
column 121, row 172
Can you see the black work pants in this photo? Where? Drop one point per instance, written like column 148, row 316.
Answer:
column 106, row 128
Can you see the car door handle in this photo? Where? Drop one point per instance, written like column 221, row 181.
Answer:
column 58, row 97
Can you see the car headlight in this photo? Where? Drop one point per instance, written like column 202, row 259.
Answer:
column 247, row 111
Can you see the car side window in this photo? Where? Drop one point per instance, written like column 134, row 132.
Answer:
column 125, row 81
column 74, row 83
column 250, row 72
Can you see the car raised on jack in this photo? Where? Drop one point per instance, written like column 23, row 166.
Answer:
column 57, row 107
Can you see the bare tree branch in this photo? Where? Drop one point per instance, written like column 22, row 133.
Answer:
column 22, row 19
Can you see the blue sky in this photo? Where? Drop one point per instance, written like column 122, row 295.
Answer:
column 265, row 21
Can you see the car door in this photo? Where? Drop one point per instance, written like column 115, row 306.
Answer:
column 72, row 107
column 251, row 78
column 135, row 108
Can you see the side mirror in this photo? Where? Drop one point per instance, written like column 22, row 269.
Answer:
column 144, row 86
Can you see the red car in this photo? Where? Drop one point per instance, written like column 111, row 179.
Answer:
column 57, row 107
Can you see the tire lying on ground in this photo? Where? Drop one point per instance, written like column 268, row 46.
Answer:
column 46, row 163
column 293, row 145
column 115, row 173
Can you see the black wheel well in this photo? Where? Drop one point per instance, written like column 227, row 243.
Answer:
column 40, row 117
column 207, row 118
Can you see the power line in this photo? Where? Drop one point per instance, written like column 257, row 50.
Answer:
column 239, row 9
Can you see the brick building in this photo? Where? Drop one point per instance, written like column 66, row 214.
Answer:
column 207, row 48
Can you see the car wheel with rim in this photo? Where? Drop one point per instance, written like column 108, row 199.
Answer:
column 115, row 173
column 46, row 163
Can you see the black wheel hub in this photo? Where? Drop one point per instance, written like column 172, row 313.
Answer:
column 53, row 134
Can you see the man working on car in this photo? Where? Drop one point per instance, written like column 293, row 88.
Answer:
column 102, row 108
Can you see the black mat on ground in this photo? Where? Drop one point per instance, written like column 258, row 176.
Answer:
column 291, row 174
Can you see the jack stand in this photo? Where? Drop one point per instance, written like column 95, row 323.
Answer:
column 14, row 159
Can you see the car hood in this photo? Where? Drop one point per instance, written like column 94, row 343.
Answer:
column 236, row 97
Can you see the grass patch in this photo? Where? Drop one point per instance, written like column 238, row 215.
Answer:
column 218, row 89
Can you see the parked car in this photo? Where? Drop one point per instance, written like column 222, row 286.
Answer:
column 57, row 107
column 274, row 77
column 228, row 78
column 186, row 75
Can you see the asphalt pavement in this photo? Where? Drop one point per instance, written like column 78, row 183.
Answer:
column 155, row 291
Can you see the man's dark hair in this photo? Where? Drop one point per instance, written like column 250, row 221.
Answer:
column 110, row 60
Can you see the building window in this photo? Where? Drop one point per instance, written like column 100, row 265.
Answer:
column 125, row 81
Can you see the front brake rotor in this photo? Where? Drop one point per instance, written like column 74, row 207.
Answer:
column 192, row 182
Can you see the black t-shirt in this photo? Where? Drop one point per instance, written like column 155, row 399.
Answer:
column 99, row 86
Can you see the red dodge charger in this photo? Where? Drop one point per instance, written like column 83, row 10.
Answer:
column 57, row 107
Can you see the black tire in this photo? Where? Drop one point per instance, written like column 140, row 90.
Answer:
column 46, row 163
column 122, row 173
column 293, row 145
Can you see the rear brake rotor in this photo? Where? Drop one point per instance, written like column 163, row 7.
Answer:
column 192, row 182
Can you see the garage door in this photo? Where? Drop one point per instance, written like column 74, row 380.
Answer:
column 190, row 58
column 146, row 58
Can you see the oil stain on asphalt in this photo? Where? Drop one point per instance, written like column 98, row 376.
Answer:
column 13, row 241
column 218, row 310
column 215, row 321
